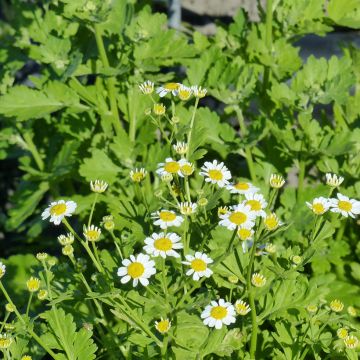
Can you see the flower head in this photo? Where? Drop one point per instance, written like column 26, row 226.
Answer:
column 138, row 175
column 168, row 88
column 98, row 186
column 198, row 91
column 342, row 333
column 270, row 248
column 66, row 239
column 138, row 268
column 10, row 307
column 181, row 148
column 239, row 216
column 187, row 208
column 163, row 326
column 68, row 250
column 272, row 222
column 33, row 284
column 184, row 92
column 203, row 202
column 223, row 210
column 57, row 210
column 345, row 206
column 351, row 342
column 245, row 233
column 147, row 87
column 5, row 341
column 216, row 173
column 186, row 168
column 2, row 269
column 296, row 259
column 276, row 181
column 108, row 222
column 198, row 265
column 257, row 203
column 170, row 166
column 91, row 233
column 242, row 187
column 26, row 357
column 352, row 311
column 42, row 294
column 312, row 308
column 218, row 313
column 167, row 218
column 319, row 205
column 242, row 308
column 41, row 256
column 336, row 305
column 333, row 180
column 163, row 245
column 258, row 280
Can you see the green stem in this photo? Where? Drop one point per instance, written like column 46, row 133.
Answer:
column 191, row 127
column 187, row 187
column 29, row 303
column 187, row 295
column 34, row 152
column 163, row 274
column 93, row 208
column 268, row 39
column 302, row 169
column 30, row 331
column 110, row 81
column 4, row 322
column 116, row 244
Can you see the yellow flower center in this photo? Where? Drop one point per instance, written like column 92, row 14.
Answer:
column 184, row 94
column 254, row 204
column 163, row 244
column 135, row 269
column 345, row 205
column 92, row 234
column 172, row 167
column 138, row 176
column 241, row 308
column 163, row 326
column 242, row 186
column 171, row 86
column 187, row 169
column 244, row 234
column 218, row 312
column 58, row 209
column 198, row 265
column 237, row 218
column 318, row 208
column 271, row 222
column 215, row 175
column 167, row 216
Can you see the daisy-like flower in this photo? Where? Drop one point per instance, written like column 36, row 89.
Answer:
column 216, row 173
column 163, row 326
column 147, row 87
column 159, row 109
column 198, row 91
column 352, row 311
column 345, row 206
column 257, row 203
column 312, row 308
column 163, row 245
column 57, row 210
column 66, row 239
column 223, row 210
column 168, row 88
column 198, row 265
column 241, row 307
column 181, row 148
column 272, row 222
column 91, row 233
column 33, row 284
column 2, row 269
column 276, row 181
column 242, row 187
column 26, row 357
column 319, row 205
column 342, row 333
column 138, row 175
column 187, row 208
column 218, row 313
column 67, row 250
column 245, row 233
column 184, row 92
column 203, row 202
column 333, row 180
column 240, row 216
column 170, row 166
column 296, row 259
column 5, row 341
column 186, row 168
column 139, row 268
column 98, row 186
column 336, row 305
column 41, row 256
column 108, row 222
column 258, row 280
column 351, row 342
column 9, row 307
column 167, row 218
column 42, row 294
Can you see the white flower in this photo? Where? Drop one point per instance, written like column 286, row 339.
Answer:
column 92, row 233
column 163, row 244
column 241, row 307
column 257, row 203
column 198, row 265
column 186, row 168
column 170, row 166
column 98, row 186
column 66, row 239
column 138, row 175
column 187, row 208
column 333, row 180
column 57, row 210
column 241, row 215
column 2, row 269
column 245, row 233
column 181, row 148
column 147, row 87
column 272, row 222
column 319, row 205
column 216, row 173
column 167, row 88
column 345, row 206
column 163, row 326
column 139, row 268
column 258, row 280
column 167, row 218
column 184, row 92
column 351, row 342
column 276, row 181
column 218, row 313
column 242, row 187
column 198, row 91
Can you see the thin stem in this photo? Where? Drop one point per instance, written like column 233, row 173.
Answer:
column 93, row 208
column 116, row 244
column 110, row 81
column 187, row 187
column 187, row 295
column 163, row 274
column 29, row 303
column 33, row 149
column 191, row 127
column 4, row 322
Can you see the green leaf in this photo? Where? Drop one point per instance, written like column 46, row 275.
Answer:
column 345, row 13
